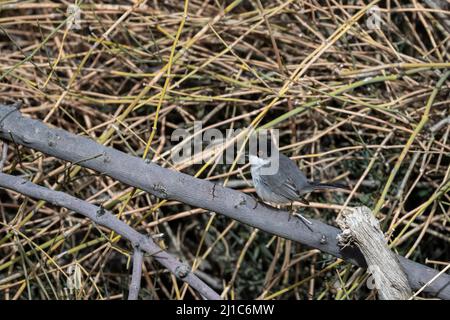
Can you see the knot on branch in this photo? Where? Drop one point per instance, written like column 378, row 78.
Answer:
column 101, row 211
column 242, row 202
column 160, row 190
column 52, row 139
column 324, row 239
column 106, row 157
column 182, row 271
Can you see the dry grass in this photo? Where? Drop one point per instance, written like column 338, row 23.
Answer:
column 352, row 104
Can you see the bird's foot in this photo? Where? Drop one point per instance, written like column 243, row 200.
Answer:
column 301, row 217
column 262, row 203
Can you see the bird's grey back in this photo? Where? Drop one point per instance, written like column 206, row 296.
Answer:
column 288, row 184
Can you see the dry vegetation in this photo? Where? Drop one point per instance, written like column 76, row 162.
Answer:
column 355, row 104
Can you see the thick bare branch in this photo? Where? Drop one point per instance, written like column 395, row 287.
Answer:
column 135, row 283
column 169, row 184
column 105, row 218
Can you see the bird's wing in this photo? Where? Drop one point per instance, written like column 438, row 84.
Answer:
column 289, row 182
column 297, row 177
column 282, row 185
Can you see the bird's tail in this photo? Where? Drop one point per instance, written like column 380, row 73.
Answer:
column 323, row 186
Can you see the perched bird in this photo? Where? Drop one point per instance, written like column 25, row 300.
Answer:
column 287, row 184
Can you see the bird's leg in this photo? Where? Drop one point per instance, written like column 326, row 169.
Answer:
column 303, row 200
column 299, row 215
column 291, row 211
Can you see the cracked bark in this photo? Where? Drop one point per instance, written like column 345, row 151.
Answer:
column 361, row 228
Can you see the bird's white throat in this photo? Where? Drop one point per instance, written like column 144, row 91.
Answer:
column 257, row 162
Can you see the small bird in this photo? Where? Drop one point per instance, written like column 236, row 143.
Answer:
column 287, row 184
